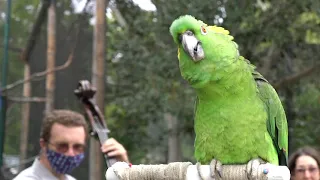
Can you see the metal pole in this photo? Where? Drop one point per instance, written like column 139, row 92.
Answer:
column 3, row 106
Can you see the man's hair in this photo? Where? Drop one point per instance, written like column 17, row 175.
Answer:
column 307, row 151
column 64, row 117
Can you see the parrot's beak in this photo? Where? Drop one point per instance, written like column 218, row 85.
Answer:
column 192, row 46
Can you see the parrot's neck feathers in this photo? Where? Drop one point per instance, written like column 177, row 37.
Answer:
column 229, row 81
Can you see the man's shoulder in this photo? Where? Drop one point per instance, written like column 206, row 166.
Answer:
column 27, row 174
column 30, row 174
column 69, row 177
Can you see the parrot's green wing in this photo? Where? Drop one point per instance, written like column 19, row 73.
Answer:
column 276, row 122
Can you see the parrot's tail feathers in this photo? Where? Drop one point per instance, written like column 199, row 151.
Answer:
column 283, row 160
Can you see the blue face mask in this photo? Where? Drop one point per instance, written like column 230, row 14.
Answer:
column 63, row 164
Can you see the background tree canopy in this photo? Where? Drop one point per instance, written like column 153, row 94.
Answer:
column 147, row 102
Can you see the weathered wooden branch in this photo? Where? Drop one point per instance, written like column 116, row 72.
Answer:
column 296, row 77
column 39, row 74
column 27, row 99
column 13, row 49
column 118, row 16
column 43, row 73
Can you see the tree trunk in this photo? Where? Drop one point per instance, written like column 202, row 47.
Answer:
column 25, row 116
column 51, row 56
column 289, row 104
column 290, row 117
column 174, row 151
column 96, row 170
column 25, row 57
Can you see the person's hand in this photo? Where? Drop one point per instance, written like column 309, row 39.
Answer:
column 114, row 149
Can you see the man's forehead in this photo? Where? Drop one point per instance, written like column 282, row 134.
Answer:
column 67, row 133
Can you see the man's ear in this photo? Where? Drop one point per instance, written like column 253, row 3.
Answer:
column 42, row 143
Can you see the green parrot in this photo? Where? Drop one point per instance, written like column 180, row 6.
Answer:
column 238, row 114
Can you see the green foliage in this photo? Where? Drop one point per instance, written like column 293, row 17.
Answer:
column 307, row 110
column 12, row 127
column 307, row 23
column 143, row 81
column 15, row 68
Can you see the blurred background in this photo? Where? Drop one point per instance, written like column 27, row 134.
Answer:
column 147, row 105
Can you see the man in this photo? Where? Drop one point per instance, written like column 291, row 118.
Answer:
column 62, row 141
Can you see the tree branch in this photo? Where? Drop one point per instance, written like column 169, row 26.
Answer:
column 43, row 73
column 25, row 55
column 58, row 68
column 296, row 77
column 118, row 16
column 13, row 49
column 38, row 74
column 27, row 99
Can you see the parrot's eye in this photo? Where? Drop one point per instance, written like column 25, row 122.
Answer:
column 203, row 30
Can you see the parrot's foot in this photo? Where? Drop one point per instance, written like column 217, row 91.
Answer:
column 216, row 169
column 252, row 168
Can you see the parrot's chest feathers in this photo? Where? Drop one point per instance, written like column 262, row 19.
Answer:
column 230, row 115
column 234, row 119
column 228, row 128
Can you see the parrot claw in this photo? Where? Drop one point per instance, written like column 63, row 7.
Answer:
column 199, row 171
column 253, row 168
column 216, row 169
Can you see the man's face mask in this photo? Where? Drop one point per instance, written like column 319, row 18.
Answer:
column 63, row 164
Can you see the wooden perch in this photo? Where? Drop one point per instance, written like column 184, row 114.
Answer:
column 187, row 171
column 41, row 16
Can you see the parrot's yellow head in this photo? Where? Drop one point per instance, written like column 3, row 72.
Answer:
column 202, row 49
